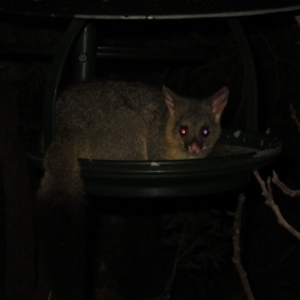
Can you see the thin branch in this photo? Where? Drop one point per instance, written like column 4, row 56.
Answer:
column 283, row 187
column 49, row 296
column 236, row 246
column 294, row 116
column 267, row 193
column 177, row 259
column 262, row 184
column 275, row 56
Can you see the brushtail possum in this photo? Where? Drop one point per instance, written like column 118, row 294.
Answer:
column 112, row 121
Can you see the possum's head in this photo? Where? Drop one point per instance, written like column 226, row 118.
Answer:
column 193, row 125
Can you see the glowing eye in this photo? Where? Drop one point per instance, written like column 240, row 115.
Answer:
column 205, row 131
column 183, row 130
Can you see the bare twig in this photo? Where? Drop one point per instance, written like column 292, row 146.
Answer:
column 294, row 116
column 49, row 296
column 236, row 246
column 283, row 187
column 267, row 193
column 169, row 287
column 275, row 56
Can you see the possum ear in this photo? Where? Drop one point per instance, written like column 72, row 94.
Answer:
column 218, row 101
column 169, row 98
column 172, row 100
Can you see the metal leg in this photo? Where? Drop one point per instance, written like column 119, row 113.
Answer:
column 54, row 78
column 84, row 55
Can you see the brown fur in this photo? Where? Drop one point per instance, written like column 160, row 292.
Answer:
column 111, row 121
column 121, row 121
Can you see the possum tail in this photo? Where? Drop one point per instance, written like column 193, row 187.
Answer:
column 61, row 223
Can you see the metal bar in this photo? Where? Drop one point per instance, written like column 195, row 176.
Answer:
column 54, row 78
column 139, row 53
column 84, row 55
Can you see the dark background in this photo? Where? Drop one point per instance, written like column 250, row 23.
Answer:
column 142, row 237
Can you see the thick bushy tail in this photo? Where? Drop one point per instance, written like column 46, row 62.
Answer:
column 61, row 224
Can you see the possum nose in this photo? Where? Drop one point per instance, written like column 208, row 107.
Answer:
column 194, row 148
